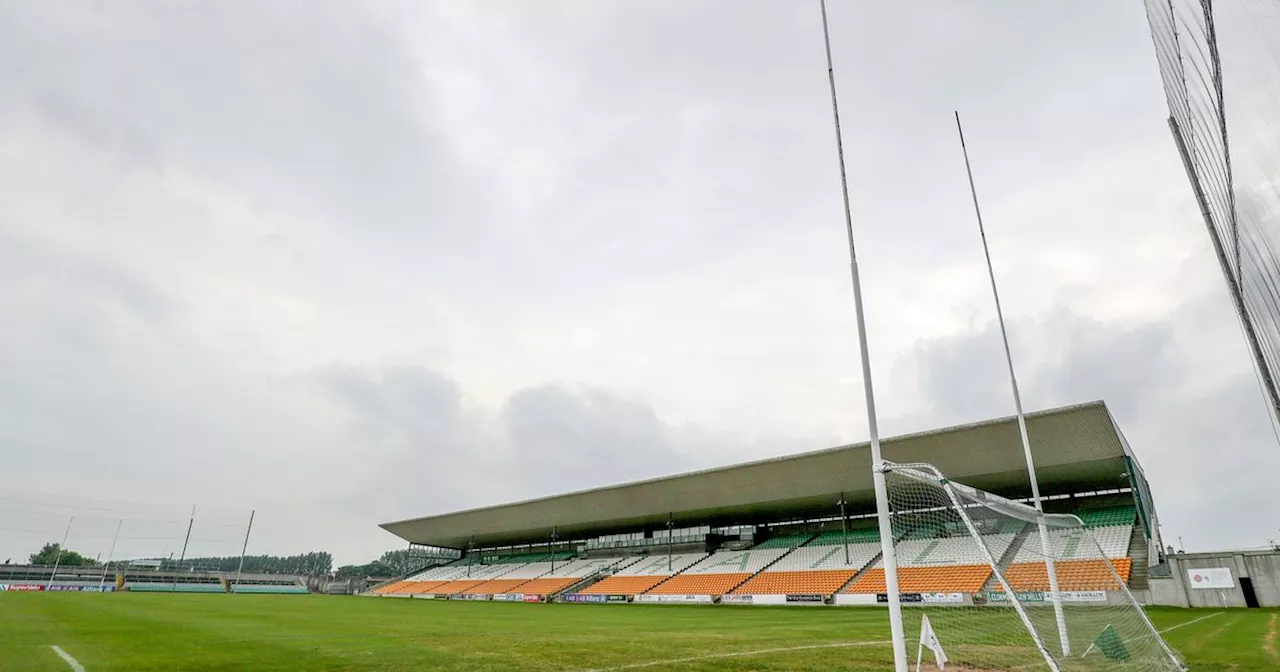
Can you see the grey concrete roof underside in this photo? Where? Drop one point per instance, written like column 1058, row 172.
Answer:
column 1076, row 448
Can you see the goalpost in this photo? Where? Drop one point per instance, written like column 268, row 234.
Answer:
column 999, row 611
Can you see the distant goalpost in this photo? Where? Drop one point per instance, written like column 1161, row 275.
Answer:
column 1092, row 623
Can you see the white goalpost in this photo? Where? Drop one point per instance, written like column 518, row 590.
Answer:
column 1000, row 612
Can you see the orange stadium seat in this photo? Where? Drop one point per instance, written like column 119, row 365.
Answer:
column 812, row 582
column 623, row 585
column 938, row 579
column 495, row 586
column 699, row 584
column 1072, row 575
column 390, row 588
column 451, row 587
column 546, row 586
column 409, row 587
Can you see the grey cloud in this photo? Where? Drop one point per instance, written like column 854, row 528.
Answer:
column 1206, row 445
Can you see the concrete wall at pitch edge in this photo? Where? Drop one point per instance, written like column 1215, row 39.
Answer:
column 1261, row 567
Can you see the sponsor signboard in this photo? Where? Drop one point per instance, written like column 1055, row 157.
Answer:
column 578, row 597
column 1210, row 577
column 737, row 599
column 4, row 587
column 1084, row 596
column 905, row 598
column 25, row 587
column 508, row 597
column 63, row 589
column 1041, row 597
column 857, row 599
column 615, row 598
column 531, row 598
column 668, row 599
column 942, row 598
column 473, row 596
column 803, row 599
column 427, row 596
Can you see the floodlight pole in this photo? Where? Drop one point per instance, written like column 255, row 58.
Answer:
column 243, row 549
column 61, row 549
column 1058, row 614
column 190, row 524
column 111, row 553
column 877, row 468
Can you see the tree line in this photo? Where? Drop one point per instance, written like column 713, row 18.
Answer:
column 391, row 563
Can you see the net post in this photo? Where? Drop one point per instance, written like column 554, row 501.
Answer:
column 995, row 569
column 1124, row 588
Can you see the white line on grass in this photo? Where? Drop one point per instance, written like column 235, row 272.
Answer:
column 72, row 662
column 1194, row 620
column 734, row 654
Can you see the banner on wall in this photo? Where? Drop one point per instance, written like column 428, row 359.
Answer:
column 1211, row 577
column 856, row 599
column 942, row 598
column 803, row 599
column 678, row 599
column 25, row 587
column 737, row 599
column 905, row 598
column 1041, row 597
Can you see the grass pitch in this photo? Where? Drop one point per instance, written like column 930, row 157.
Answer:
column 281, row 632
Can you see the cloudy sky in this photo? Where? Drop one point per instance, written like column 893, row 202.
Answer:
column 346, row 263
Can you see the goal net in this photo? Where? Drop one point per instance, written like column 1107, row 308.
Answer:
column 974, row 574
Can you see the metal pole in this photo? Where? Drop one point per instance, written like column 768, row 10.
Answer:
column 550, row 550
column 844, row 529
column 110, row 554
column 991, row 560
column 183, row 556
column 668, row 542
column 890, row 561
column 61, row 547
column 245, row 547
column 1058, row 614
column 1233, row 285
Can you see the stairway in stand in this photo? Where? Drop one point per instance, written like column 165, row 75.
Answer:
column 1010, row 553
column 1138, row 550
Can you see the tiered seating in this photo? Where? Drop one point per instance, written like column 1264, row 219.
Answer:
column 1072, row 575
column 855, row 536
column 719, row 573
column 1077, row 560
column 1117, row 515
column 569, row 574
column 785, row 541
column 478, row 574
column 642, row 574
column 425, row 580
column 812, row 570
column 940, row 579
column 938, row 565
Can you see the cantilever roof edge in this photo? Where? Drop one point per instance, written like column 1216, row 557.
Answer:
column 1074, row 446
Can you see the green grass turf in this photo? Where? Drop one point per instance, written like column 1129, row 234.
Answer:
column 281, row 632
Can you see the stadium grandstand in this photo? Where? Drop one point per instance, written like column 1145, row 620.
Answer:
column 804, row 526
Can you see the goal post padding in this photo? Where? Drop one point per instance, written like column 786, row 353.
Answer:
column 975, row 563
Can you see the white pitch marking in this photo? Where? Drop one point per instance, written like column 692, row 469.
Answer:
column 1194, row 620
column 735, row 654
column 72, row 662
